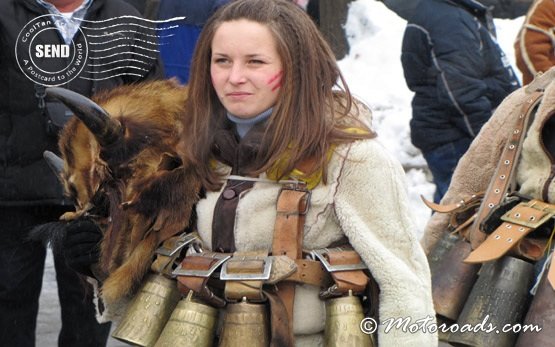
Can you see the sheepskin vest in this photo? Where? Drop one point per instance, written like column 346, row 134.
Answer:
column 536, row 170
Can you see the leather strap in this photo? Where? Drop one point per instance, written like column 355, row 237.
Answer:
column 309, row 272
column 292, row 206
column 199, row 284
column 252, row 263
column 457, row 209
column 518, row 222
column 460, row 206
column 225, row 211
column 503, row 176
column 169, row 252
column 354, row 280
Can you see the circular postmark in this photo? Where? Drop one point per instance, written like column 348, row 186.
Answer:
column 43, row 59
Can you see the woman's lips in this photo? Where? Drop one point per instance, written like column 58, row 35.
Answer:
column 238, row 95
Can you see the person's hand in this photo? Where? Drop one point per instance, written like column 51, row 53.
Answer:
column 81, row 245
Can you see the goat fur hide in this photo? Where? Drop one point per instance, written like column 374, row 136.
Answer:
column 133, row 184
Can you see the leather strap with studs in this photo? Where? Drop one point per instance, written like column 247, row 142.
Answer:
column 517, row 223
column 502, row 178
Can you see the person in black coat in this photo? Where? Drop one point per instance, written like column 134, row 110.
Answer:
column 458, row 73
column 30, row 193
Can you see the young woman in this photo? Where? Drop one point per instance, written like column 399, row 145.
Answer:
column 268, row 105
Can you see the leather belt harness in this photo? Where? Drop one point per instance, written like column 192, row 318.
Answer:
column 520, row 221
column 220, row 278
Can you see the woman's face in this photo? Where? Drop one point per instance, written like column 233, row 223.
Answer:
column 245, row 67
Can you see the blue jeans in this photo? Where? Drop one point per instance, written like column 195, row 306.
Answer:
column 21, row 270
column 442, row 162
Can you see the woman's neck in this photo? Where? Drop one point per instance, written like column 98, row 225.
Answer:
column 243, row 125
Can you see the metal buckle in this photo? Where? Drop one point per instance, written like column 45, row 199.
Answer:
column 263, row 276
column 299, row 186
column 184, row 240
column 319, row 254
column 221, row 257
column 538, row 214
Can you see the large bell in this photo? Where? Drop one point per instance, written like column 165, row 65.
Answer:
column 192, row 324
column 541, row 314
column 343, row 319
column 148, row 312
column 437, row 254
column 452, row 279
column 497, row 301
column 245, row 324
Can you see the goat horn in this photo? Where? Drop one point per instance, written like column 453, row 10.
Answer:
column 96, row 119
column 55, row 163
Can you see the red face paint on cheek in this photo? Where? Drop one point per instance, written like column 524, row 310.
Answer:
column 276, row 80
column 276, row 87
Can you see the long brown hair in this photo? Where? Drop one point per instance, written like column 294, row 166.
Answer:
column 309, row 115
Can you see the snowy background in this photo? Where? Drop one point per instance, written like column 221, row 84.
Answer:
column 374, row 73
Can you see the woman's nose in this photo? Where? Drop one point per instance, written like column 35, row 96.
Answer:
column 237, row 74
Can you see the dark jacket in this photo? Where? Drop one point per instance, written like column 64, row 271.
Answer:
column 456, row 69
column 25, row 178
column 181, row 37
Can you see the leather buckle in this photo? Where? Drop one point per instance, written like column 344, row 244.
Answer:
column 299, row 186
column 530, row 214
column 320, row 255
column 184, row 240
column 221, row 258
column 247, row 276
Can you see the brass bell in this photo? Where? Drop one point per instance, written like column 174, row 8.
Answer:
column 498, row 299
column 452, row 281
column 343, row 318
column 148, row 312
column 443, row 245
column 192, row 324
column 541, row 314
column 245, row 324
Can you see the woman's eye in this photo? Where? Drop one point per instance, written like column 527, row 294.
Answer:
column 221, row 60
column 255, row 61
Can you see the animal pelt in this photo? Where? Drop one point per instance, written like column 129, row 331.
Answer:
column 136, row 188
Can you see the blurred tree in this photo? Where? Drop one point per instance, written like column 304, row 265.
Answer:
column 331, row 16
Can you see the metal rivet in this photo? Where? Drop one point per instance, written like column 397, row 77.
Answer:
column 516, row 131
column 507, row 162
column 532, row 218
column 521, row 229
column 508, row 226
column 512, row 147
column 490, row 205
column 517, row 215
column 502, row 177
column 509, row 240
column 497, row 191
column 497, row 237
column 229, row 194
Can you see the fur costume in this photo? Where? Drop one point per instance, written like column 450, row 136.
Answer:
column 135, row 186
column 477, row 166
column 365, row 201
